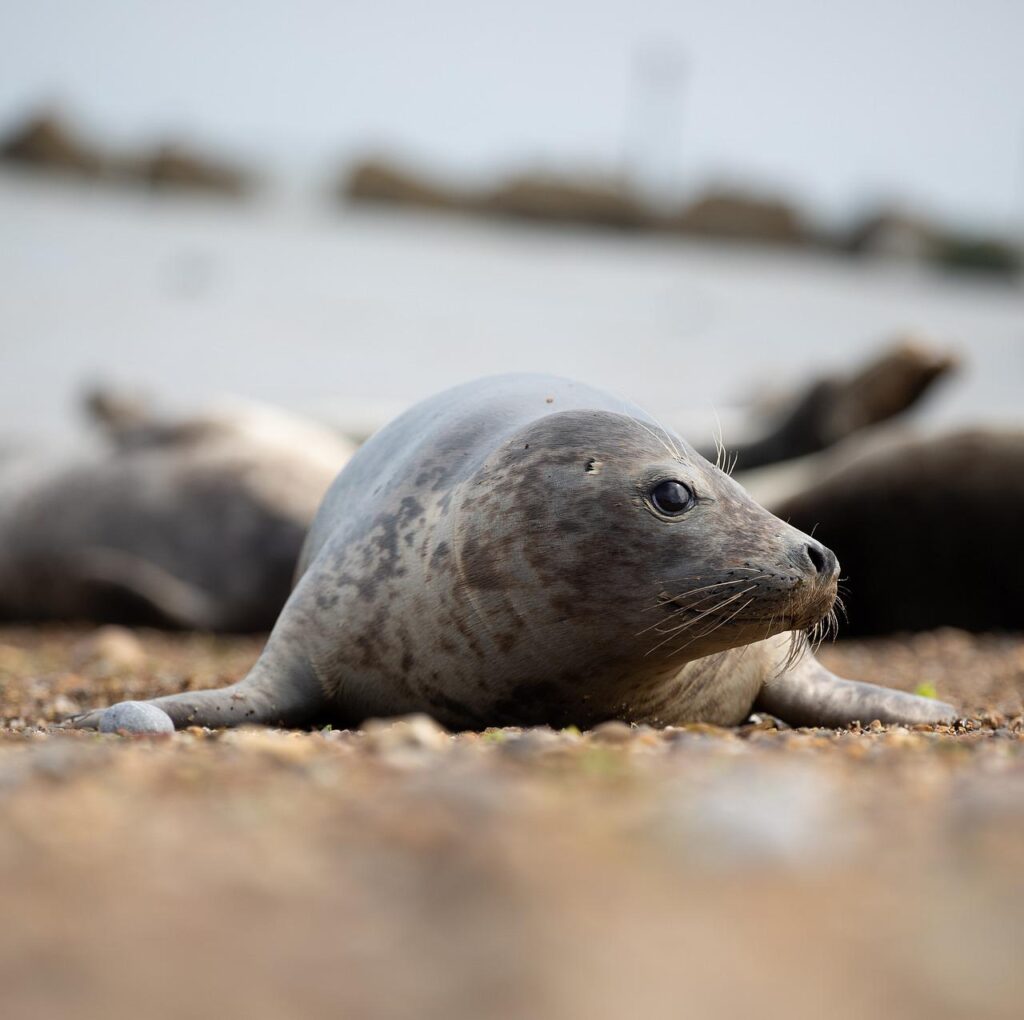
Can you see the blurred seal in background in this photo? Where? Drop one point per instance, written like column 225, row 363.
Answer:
column 927, row 526
column 191, row 522
column 833, row 407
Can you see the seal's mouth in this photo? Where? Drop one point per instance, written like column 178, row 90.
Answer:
column 725, row 613
column 815, row 612
column 804, row 605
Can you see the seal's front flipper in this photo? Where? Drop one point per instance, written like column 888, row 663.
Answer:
column 809, row 695
column 228, row 706
column 136, row 717
column 268, row 697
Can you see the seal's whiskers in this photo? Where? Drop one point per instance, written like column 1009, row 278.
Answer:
column 842, row 608
column 664, row 597
column 668, row 436
column 671, row 450
column 715, row 626
column 699, row 617
column 689, row 623
column 691, row 605
column 720, row 453
column 798, row 645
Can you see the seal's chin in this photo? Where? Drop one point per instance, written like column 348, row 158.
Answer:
column 811, row 606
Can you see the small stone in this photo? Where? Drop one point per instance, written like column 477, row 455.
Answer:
column 612, row 732
column 411, row 731
column 110, row 651
column 134, row 717
column 536, row 740
column 286, row 747
column 763, row 721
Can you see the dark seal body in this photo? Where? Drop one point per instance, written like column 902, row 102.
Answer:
column 498, row 555
column 194, row 522
column 927, row 528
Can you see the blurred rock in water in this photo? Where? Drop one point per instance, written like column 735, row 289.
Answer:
column 556, row 199
column 743, row 216
column 380, row 180
column 897, row 234
column 174, row 166
column 47, row 142
column 721, row 213
column 580, row 199
column 892, row 233
column 976, row 254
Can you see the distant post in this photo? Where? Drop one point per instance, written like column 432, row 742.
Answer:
column 653, row 130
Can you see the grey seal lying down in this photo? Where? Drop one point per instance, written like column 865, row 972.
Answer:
column 525, row 550
column 193, row 522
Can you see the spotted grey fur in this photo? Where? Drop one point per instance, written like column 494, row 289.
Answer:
column 494, row 557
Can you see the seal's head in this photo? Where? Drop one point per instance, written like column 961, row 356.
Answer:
column 591, row 529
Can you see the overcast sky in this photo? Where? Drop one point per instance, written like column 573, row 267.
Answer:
column 838, row 102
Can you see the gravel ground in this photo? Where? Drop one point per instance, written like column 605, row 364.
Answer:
column 401, row 871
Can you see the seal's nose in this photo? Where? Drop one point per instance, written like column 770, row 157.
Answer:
column 822, row 559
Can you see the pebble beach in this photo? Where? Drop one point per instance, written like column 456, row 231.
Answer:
column 402, row 870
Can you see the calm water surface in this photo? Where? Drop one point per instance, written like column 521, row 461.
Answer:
column 355, row 314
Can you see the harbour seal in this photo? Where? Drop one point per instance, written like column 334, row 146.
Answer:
column 528, row 550
column 191, row 521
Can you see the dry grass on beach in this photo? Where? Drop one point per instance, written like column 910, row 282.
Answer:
column 405, row 872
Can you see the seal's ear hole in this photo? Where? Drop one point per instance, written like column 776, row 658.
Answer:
column 593, row 466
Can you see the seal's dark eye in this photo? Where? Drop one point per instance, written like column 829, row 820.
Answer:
column 672, row 498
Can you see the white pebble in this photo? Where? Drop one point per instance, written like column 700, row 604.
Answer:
column 135, row 717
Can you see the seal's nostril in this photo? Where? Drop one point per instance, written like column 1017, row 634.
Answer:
column 819, row 558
